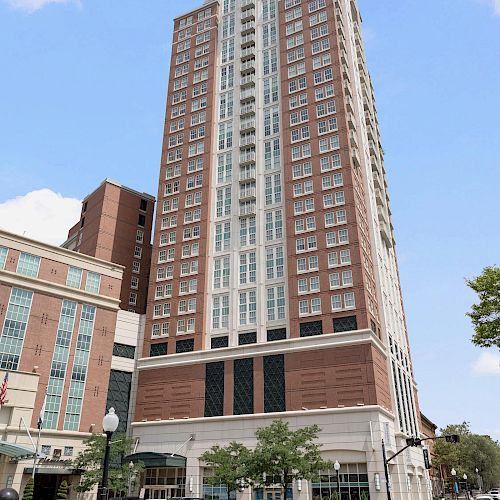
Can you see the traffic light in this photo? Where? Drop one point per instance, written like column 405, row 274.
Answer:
column 426, row 458
column 452, row 438
column 413, row 441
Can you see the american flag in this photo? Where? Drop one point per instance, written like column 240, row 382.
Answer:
column 42, row 413
column 3, row 389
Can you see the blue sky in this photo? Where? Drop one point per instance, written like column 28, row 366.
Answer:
column 82, row 97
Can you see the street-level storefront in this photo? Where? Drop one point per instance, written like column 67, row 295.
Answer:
column 353, row 484
column 164, row 475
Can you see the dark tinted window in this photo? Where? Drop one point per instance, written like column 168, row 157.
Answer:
column 274, row 383
column 243, row 386
column 144, row 205
column 247, row 338
column 124, row 351
column 218, row 342
column 310, row 329
column 119, row 395
column 158, row 349
column 345, row 324
column 276, row 334
column 142, row 220
column 214, row 389
column 186, row 345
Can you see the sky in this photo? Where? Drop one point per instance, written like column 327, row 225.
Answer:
column 82, row 98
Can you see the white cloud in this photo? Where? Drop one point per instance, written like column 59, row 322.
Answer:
column 496, row 7
column 42, row 215
column 488, row 363
column 33, row 5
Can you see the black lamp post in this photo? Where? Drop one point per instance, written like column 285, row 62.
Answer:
column 109, row 425
column 479, row 481
column 455, row 486
column 466, row 486
column 336, row 466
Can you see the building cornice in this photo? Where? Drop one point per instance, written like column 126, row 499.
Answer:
column 58, row 254
column 326, row 341
column 270, row 416
column 58, row 290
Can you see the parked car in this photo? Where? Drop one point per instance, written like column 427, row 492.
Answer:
column 483, row 496
column 495, row 493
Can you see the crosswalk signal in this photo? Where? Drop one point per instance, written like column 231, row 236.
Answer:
column 452, row 438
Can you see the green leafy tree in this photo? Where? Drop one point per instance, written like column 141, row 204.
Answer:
column 62, row 492
column 230, row 465
column 28, row 489
column 90, row 462
column 472, row 451
column 485, row 315
column 283, row 456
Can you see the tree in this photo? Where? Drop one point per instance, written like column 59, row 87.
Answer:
column 62, row 492
column 90, row 461
column 472, row 451
column 283, row 456
column 230, row 465
column 485, row 315
column 28, row 489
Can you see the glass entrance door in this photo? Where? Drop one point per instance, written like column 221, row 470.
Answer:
column 163, row 492
column 272, row 494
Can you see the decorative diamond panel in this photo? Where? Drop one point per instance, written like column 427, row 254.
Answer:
column 124, row 351
column 218, row 342
column 158, row 349
column 214, row 389
column 277, row 334
column 247, row 338
column 119, row 395
column 243, row 386
column 312, row 328
column 274, row 383
column 186, row 345
column 345, row 324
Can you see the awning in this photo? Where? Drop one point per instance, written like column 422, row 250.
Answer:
column 150, row 459
column 52, row 470
column 14, row 450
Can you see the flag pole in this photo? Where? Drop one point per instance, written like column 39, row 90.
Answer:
column 39, row 425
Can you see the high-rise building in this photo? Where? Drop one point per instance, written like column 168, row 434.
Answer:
column 274, row 282
column 115, row 225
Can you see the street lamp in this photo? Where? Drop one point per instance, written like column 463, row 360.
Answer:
column 454, row 473
column 336, row 466
column 109, row 425
column 479, row 481
column 466, row 488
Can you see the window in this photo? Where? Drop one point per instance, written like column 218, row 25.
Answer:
column 141, row 220
column 273, row 189
column 223, row 201
column 158, row 349
column 248, row 268
column 93, row 282
column 274, row 383
column 248, row 307
column 132, row 300
column 220, row 311
column 345, row 324
column 222, row 236
column 74, row 278
column 219, row 342
column 124, row 351
column 214, row 387
column 243, row 386
column 247, row 338
column 247, row 231
column 276, row 303
column 28, row 265
column 274, row 225
column 3, row 256
column 186, row 345
column 136, row 266
column 311, row 328
column 274, row 262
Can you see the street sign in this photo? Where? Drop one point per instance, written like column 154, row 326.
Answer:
column 142, row 493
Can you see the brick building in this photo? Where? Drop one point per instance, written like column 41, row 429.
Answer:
column 274, row 281
column 115, row 225
column 62, row 334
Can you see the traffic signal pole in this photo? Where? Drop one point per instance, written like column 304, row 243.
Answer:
column 453, row 438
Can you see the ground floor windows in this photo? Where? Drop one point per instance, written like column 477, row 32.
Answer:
column 164, row 482
column 353, row 484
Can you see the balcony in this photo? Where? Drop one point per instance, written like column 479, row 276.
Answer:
column 248, row 26
column 248, row 39
column 353, row 138
column 247, row 140
column 345, row 72
column 248, row 109
column 351, row 121
column 247, row 3
column 248, row 53
column 247, row 193
column 247, row 94
column 247, row 157
column 379, row 196
column 355, row 158
column 371, row 134
column 347, row 88
column 349, row 104
column 247, row 208
column 248, row 66
column 248, row 80
column 248, row 174
column 343, row 56
column 247, row 125
column 248, row 15
column 373, row 148
column 376, row 180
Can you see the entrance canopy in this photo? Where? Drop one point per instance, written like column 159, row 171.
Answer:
column 14, row 450
column 150, row 459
